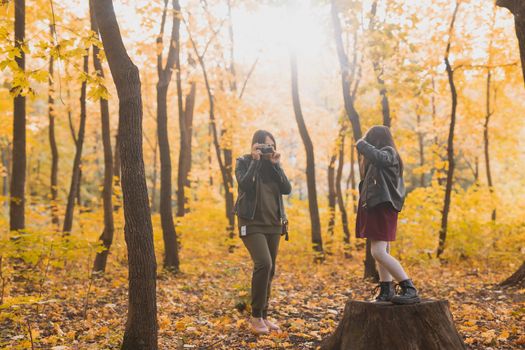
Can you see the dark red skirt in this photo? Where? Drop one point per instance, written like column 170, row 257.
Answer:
column 378, row 223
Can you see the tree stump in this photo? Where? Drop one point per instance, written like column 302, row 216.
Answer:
column 378, row 326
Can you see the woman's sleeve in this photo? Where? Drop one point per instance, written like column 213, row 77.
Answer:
column 245, row 174
column 284, row 184
column 381, row 158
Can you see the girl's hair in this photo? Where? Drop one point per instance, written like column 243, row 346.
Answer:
column 260, row 137
column 380, row 136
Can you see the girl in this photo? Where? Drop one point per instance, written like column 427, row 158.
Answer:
column 262, row 219
column 381, row 197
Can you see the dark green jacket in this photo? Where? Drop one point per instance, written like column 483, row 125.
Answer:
column 247, row 175
column 383, row 181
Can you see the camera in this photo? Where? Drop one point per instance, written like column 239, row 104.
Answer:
column 266, row 149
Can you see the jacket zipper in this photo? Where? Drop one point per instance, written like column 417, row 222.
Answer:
column 255, row 206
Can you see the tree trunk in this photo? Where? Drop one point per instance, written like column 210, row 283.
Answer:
column 184, row 130
column 18, row 178
column 233, row 75
column 78, row 197
column 421, row 143
column 377, row 326
column 351, row 112
column 517, row 8
column 434, row 170
column 5, row 176
column 75, row 173
column 214, row 134
column 488, row 113
column 106, row 238
column 141, row 326
column 450, row 142
column 350, row 181
column 185, row 126
column 171, row 249
column 331, row 202
column 353, row 116
column 331, row 194
column 189, row 112
column 228, row 190
column 339, row 190
column 166, row 214
column 310, row 163
column 209, row 158
column 116, row 175
column 379, row 70
column 370, row 264
column 385, row 105
column 53, row 143
column 517, row 278
column 476, row 169
column 154, row 179
column 185, row 154
column 225, row 165
column 228, row 131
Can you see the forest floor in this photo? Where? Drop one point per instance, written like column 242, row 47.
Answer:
column 206, row 305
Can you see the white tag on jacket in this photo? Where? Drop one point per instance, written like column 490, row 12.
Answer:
column 243, row 230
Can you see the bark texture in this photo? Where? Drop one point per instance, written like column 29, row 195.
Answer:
column 141, row 326
column 18, row 178
column 52, row 142
column 106, row 238
column 74, row 187
column 315, row 222
column 378, row 326
column 450, row 141
column 517, row 8
column 171, row 249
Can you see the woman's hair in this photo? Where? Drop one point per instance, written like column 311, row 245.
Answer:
column 260, row 137
column 380, row 136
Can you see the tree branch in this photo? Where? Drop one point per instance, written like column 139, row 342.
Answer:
column 485, row 66
column 510, row 5
column 247, row 78
column 160, row 38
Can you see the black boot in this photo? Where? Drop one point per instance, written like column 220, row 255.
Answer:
column 386, row 291
column 408, row 293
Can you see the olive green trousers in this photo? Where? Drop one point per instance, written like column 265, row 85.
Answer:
column 263, row 250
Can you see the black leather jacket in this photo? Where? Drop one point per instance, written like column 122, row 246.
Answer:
column 382, row 182
column 246, row 172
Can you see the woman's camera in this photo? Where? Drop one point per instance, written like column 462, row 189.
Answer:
column 266, row 149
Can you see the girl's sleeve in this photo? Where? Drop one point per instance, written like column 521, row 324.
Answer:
column 381, row 158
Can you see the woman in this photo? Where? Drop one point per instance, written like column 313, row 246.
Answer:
column 381, row 197
column 262, row 219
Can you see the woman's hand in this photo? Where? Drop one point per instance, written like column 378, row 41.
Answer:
column 276, row 157
column 256, row 152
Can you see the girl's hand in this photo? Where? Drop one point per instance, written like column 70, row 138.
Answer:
column 256, row 153
column 276, row 157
